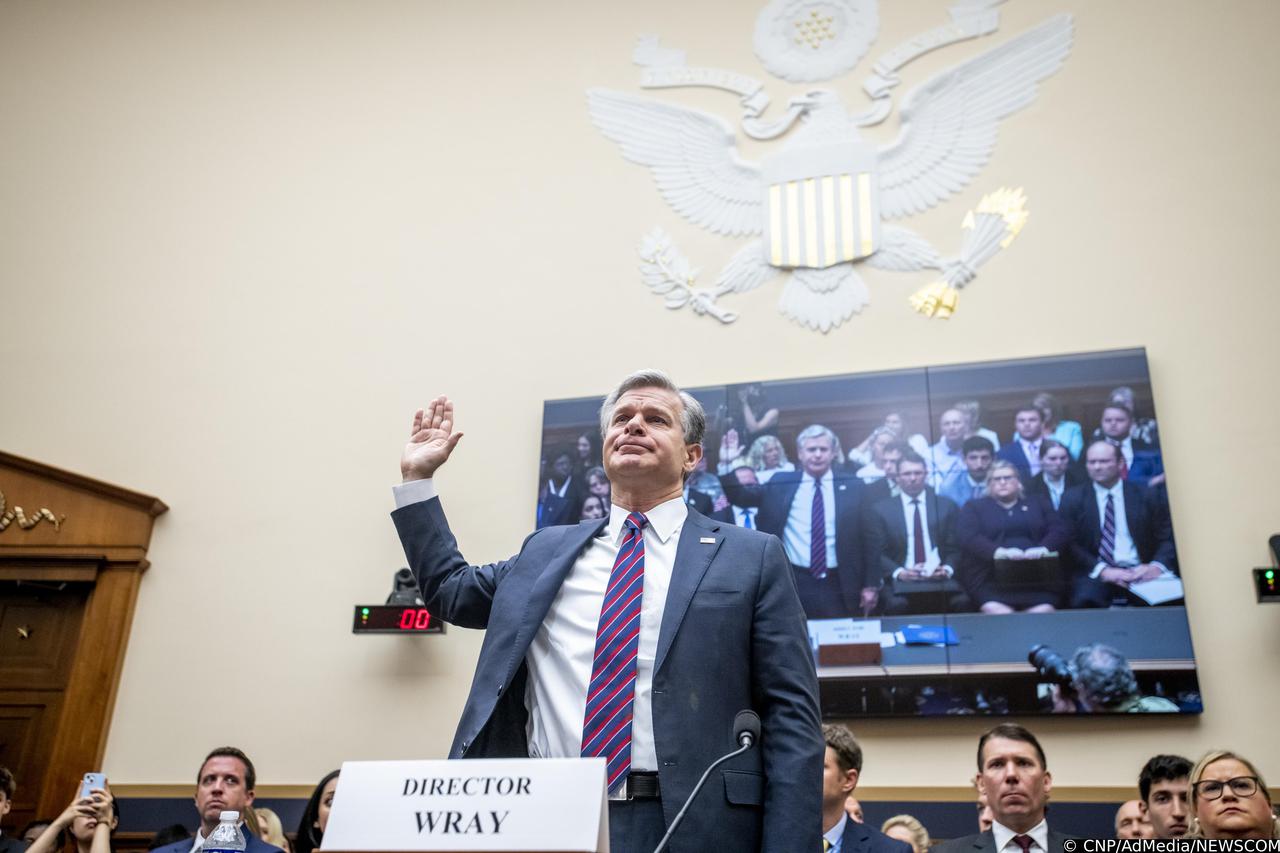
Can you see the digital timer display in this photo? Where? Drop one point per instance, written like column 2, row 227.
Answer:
column 394, row 619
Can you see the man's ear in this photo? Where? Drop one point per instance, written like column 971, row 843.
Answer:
column 5, row 805
column 1048, row 782
column 850, row 781
column 248, row 797
column 693, row 452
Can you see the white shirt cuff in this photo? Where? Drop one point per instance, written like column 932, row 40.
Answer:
column 414, row 491
column 1097, row 570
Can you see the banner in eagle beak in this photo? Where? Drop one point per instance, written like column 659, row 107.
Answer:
column 823, row 205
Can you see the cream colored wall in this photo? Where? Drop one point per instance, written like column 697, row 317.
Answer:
column 240, row 242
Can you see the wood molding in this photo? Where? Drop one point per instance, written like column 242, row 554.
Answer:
column 39, row 470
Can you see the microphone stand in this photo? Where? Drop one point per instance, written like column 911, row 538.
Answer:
column 749, row 742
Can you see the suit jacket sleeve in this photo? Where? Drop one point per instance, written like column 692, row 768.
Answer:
column 1161, row 529
column 880, row 565
column 457, row 592
column 785, row 688
column 1077, row 503
column 947, row 541
column 739, row 494
column 1055, row 534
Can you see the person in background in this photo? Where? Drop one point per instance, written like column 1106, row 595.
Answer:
column 1164, row 788
column 745, row 516
column 1143, row 428
column 972, row 412
column 887, row 487
column 559, row 498
column 270, row 828
column 1068, row 433
column 986, row 817
column 225, row 782
column 592, row 507
column 1105, row 684
column 1005, row 525
column 1132, row 822
column 315, row 817
column 1014, row 776
column 979, row 453
column 767, row 456
column 874, row 470
column 853, row 808
column 751, row 413
column 598, row 484
column 90, row 822
column 946, row 458
column 904, row 827
column 587, row 454
column 1056, row 473
column 841, row 766
column 33, row 830
column 1024, row 449
column 1141, row 462
column 8, row 786
column 1230, row 799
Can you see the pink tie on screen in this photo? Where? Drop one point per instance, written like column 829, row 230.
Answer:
column 606, row 727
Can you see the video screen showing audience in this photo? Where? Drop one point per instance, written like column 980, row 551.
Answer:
column 988, row 538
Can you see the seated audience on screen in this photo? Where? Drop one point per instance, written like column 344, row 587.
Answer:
column 1014, row 776
column 1104, row 683
column 1120, row 532
column 1143, row 428
column 593, row 508
column 1067, row 433
column 972, row 412
column 315, row 817
column 1164, row 787
column 1023, row 450
column 560, row 495
column 168, row 835
column 979, row 453
column 270, row 829
column 1230, row 799
column 911, row 540
column 767, row 456
column 745, row 516
column 906, row 828
column 887, row 487
column 946, row 458
column 841, row 767
column 1006, row 525
column 598, row 484
column 703, row 492
column 225, row 782
column 874, row 470
column 1132, row 822
column 896, row 425
column 1057, row 474
column 1140, row 462
column 89, row 821
column 815, row 512
column 587, row 453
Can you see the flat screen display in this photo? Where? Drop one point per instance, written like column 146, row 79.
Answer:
column 989, row 538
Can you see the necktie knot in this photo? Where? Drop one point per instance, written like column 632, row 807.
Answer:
column 915, row 501
column 1023, row 841
column 636, row 521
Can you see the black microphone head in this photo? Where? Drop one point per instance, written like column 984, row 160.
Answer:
column 746, row 724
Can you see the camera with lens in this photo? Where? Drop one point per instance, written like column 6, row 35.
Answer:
column 1051, row 666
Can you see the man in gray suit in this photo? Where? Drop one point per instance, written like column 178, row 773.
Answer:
column 1014, row 777
column 636, row 638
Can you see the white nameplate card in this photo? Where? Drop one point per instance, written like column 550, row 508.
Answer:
column 478, row 806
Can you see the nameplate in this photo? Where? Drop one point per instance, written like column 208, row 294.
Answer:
column 551, row 805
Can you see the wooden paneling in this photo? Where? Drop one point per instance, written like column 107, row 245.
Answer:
column 28, row 725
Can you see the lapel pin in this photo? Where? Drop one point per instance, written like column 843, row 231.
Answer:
column 707, row 540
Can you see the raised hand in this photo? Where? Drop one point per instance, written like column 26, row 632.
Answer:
column 729, row 446
column 431, row 440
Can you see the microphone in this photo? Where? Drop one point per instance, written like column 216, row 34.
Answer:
column 1274, row 542
column 746, row 731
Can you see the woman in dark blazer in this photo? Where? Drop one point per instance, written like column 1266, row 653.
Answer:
column 1006, row 524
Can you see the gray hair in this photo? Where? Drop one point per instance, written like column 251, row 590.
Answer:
column 1104, row 676
column 819, row 431
column 693, row 419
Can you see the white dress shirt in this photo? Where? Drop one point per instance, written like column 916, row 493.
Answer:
column 1056, row 488
column 931, row 558
column 945, row 463
column 1031, row 450
column 1004, row 837
column 1126, row 449
column 835, row 835
column 560, row 656
column 742, row 513
column 796, row 537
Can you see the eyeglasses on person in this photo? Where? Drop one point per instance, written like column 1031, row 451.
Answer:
column 1241, row 786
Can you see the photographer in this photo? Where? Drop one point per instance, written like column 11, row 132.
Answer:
column 90, row 820
column 1098, row 680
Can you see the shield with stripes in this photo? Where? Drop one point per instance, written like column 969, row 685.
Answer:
column 822, row 203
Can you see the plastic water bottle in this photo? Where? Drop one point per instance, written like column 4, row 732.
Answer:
column 227, row 837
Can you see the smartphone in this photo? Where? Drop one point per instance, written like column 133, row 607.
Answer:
column 91, row 781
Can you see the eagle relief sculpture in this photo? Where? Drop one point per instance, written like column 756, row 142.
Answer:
column 827, row 199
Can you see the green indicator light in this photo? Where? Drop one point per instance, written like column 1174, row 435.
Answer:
column 1271, row 575
column 364, row 611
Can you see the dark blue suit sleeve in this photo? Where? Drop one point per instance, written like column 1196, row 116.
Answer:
column 785, row 690
column 457, row 592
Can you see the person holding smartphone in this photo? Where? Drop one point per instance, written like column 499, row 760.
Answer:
column 91, row 818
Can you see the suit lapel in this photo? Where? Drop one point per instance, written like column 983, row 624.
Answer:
column 693, row 556
column 548, row 584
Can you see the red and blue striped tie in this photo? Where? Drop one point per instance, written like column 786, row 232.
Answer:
column 606, row 729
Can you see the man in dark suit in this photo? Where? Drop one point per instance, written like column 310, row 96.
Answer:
column 1057, row 473
column 841, row 767
column 1142, row 463
column 1120, row 531
column 716, row 628
column 911, row 540
column 1014, row 777
column 225, row 783
column 886, row 486
column 1023, row 450
column 814, row 511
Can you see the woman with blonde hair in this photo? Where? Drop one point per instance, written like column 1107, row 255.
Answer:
column 270, row 828
column 904, row 827
column 1229, row 799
